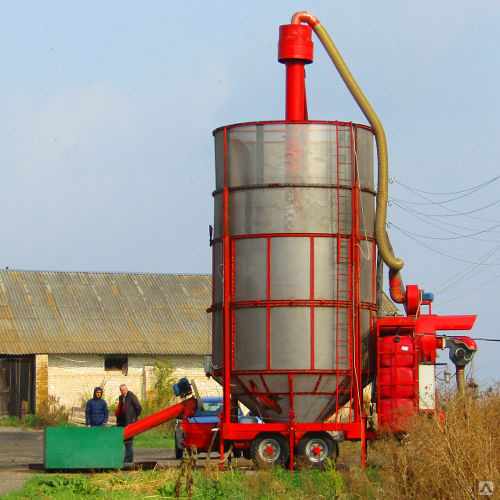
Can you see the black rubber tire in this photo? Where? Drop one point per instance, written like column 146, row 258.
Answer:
column 258, row 450
column 237, row 453
column 329, row 449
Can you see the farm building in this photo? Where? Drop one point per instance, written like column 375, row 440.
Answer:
column 62, row 333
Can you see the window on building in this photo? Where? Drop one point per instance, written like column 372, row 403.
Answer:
column 116, row 364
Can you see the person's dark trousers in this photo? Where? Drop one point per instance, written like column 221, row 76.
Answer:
column 129, row 451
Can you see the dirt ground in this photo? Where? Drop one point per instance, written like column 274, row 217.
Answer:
column 18, row 448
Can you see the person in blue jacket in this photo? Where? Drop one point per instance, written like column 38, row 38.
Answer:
column 96, row 411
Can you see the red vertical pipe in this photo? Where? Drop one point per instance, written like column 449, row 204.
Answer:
column 357, row 266
column 337, row 278
column 226, row 310
column 363, row 441
column 291, row 420
column 231, row 317
column 295, row 91
column 312, row 298
column 268, row 309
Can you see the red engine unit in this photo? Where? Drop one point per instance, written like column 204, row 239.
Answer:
column 397, row 384
column 406, row 362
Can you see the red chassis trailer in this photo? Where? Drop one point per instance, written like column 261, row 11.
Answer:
column 406, row 351
column 276, row 443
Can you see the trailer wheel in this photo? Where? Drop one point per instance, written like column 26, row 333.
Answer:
column 267, row 450
column 314, row 448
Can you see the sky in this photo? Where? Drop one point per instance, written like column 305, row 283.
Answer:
column 106, row 146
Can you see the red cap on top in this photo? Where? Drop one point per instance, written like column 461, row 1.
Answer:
column 295, row 43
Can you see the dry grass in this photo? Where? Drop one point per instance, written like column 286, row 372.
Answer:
column 445, row 459
column 140, row 483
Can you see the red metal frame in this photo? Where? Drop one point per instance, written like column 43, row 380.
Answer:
column 295, row 122
column 226, row 367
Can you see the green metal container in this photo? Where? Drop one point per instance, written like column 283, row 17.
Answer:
column 83, row 448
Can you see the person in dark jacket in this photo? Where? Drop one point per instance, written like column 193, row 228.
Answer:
column 96, row 411
column 128, row 411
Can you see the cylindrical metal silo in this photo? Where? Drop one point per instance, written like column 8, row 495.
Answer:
column 294, row 261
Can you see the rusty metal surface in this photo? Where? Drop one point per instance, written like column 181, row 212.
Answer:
column 71, row 312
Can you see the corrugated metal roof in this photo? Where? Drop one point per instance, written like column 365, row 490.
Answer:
column 387, row 307
column 103, row 313
column 70, row 312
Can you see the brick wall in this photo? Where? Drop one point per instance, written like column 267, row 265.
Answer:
column 41, row 378
column 72, row 377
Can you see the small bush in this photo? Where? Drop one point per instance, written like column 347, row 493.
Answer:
column 113, row 406
column 10, row 422
column 163, row 395
column 32, row 420
column 51, row 412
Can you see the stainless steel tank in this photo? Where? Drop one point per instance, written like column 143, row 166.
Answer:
column 300, row 269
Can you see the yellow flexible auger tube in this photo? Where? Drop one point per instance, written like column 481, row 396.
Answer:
column 381, row 237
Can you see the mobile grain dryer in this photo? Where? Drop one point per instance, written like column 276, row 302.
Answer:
column 299, row 242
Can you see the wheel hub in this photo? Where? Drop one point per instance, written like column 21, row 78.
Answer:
column 316, row 450
column 269, row 450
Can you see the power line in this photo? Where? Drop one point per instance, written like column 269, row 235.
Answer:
column 440, row 252
column 442, row 202
column 481, row 285
column 473, row 188
column 454, row 237
column 454, row 212
column 487, row 340
column 457, row 214
column 465, row 274
column 477, row 265
column 421, row 216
